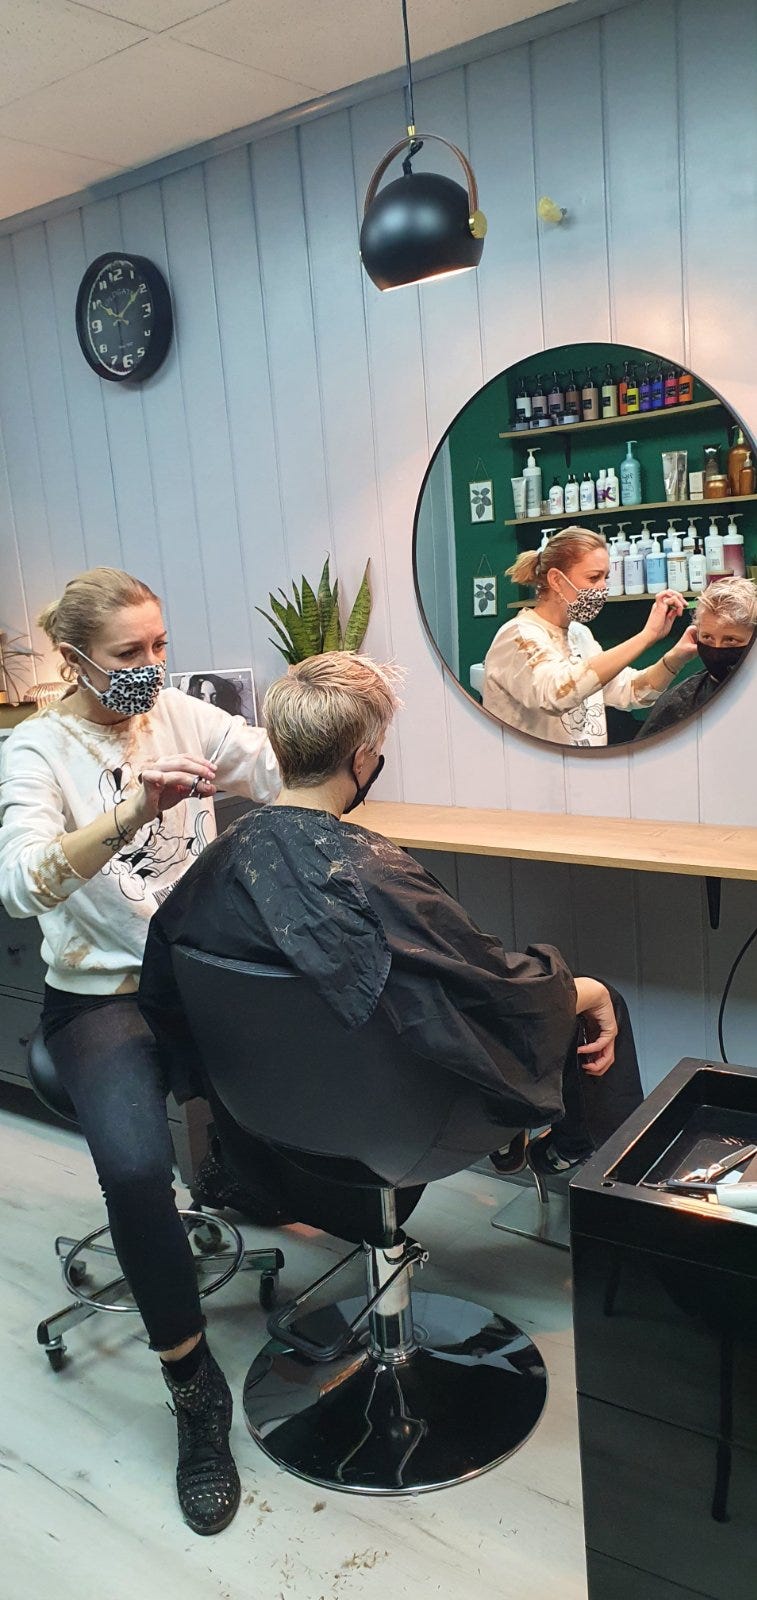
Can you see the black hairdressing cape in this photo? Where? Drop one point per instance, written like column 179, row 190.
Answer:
column 364, row 923
column 678, row 702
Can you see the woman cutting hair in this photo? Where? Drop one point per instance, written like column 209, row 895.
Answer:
column 105, row 801
column 545, row 672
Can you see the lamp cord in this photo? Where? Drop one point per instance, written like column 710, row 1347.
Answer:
column 727, row 989
column 409, row 103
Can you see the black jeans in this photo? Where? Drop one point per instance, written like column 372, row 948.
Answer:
column 106, row 1057
column 595, row 1107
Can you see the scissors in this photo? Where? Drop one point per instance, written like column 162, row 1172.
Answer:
column 213, row 759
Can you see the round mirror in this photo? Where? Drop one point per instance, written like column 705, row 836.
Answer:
column 585, row 545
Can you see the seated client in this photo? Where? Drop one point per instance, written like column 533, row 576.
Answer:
column 292, row 883
column 724, row 624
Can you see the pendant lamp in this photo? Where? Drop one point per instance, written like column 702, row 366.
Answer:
column 423, row 225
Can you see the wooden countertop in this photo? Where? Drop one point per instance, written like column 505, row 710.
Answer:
column 695, row 849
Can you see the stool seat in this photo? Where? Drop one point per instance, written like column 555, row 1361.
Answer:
column 43, row 1077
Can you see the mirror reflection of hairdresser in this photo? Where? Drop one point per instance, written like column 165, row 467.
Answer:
column 725, row 620
column 545, row 672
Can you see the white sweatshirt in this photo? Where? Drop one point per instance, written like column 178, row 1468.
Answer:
column 57, row 773
column 538, row 679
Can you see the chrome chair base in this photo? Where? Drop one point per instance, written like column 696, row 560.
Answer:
column 464, row 1400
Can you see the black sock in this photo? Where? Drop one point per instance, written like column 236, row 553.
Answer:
column 185, row 1368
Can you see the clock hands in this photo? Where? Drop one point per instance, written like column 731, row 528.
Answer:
column 130, row 301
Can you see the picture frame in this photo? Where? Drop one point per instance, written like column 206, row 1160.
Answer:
column 481, row 495
column 485, row 595
column 231, row 688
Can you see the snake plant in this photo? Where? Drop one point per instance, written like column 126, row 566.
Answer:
column 310, row 623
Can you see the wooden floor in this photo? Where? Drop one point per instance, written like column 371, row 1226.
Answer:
column 88, row 1454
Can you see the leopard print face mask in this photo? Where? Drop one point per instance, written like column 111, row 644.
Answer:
column 133, row 690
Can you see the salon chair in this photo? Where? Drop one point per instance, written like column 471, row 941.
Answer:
column 217, row 1244
column 391, row 1393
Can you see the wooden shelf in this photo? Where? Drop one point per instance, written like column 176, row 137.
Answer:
column 631, row 417
column 624, row 512
column 687, row 594
column 691, row 848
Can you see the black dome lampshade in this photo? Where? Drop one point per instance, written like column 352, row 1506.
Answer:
column 422, row 225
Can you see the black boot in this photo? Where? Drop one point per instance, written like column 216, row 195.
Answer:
column 215, row 1185
column 207, row 1480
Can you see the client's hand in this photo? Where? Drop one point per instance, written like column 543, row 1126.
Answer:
column 594, row 1007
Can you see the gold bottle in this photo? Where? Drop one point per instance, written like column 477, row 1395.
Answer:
column 736, row 457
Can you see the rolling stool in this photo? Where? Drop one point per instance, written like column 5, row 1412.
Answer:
column 216, row 1240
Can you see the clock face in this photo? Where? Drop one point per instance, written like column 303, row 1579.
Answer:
column 123, row 317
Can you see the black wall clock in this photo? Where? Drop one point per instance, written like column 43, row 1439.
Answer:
column 124, row 319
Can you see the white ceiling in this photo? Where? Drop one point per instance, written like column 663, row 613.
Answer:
column 89, row 90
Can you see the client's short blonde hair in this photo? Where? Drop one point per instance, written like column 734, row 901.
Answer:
column 323, row 710
column 731, row 598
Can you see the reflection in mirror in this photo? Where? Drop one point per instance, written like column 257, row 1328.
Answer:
column 586, row 543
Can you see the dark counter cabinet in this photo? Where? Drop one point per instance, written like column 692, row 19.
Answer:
column 665, row 1292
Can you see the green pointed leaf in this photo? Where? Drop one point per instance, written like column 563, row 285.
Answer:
column 359, row 617
column 298, row 634
column 280, row 631
column 311, row 618
column 277, row 608
column 325, row 604
column 332, row 635
column 287, row 654
column 297, row 599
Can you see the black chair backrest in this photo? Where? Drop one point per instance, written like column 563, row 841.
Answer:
column 289, row 1072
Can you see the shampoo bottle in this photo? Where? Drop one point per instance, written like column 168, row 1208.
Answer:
column 623, row 391
column 572, row 397
column 736, row 457
column 630, row 477
column 646, row 539
column 658, row 390
column 691, row 537
column 556, row 499
column 588, row 498
column 572, row 495
column 633, row 398
column 645, row 390
column 657, row 570
column 671, row 533
column 733, row 547
column 612, row 497
column 601, row 487
column 615, row 574
column 609, row 394
column 671, row 387
column 713, row 548
column 523, row 405
column 538, row 399
column 685, row 388
column 697, row 570
column 624, row 544
column 555, row 399
column 633, row 568
column 590, row 398
column 532, row 475
column 678, row 567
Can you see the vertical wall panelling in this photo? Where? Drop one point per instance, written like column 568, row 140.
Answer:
column 349, row 463
column 176, row 556
column 124, row 419
column 402, row 451
column 245, row 359
column 22, row 458
column 14, row 617
column 90, row 447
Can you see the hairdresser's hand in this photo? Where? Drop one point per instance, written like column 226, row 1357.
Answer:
column 595, row 1011
column 668, row 605
column 683, row 650
column 164, row 783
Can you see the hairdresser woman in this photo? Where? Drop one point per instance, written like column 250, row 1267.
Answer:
column 105, row 800
column 545, row 672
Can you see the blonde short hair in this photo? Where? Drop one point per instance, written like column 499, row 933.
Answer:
column 87, row 600
column 323, row 710
column 731, row 598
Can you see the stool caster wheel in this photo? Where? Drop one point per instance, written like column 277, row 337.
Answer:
column 269, row 1283
column 77, row 1274
column 56, row 1354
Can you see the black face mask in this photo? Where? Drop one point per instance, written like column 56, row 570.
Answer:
column 720, row 661
column 361, row 789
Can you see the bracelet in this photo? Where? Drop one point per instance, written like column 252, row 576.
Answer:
column 672, row 670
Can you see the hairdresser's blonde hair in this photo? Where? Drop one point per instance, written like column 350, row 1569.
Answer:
column 87, row 600
column 323, row 709
column 734, row 598
column 563, row 550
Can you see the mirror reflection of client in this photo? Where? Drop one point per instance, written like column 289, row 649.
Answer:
column 724, row 621
column 543, row 1046
column 545, row 672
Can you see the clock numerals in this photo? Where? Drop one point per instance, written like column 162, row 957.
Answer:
column 123, row 317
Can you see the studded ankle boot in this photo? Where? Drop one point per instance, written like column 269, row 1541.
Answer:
column 207, row 1480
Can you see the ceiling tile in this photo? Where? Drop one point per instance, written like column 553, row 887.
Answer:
column 158, row 97
column 31, row 176
column 153, row 14
column 338, row 42
column 42, row 41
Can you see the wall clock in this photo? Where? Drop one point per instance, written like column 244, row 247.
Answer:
column 124, row 320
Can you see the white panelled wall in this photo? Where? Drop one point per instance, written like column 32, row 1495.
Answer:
column 298, row 408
